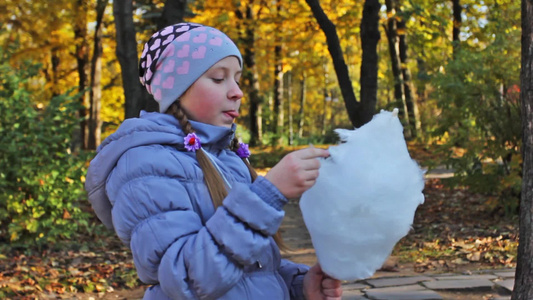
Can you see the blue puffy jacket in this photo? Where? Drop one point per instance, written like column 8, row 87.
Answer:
column 151, row 191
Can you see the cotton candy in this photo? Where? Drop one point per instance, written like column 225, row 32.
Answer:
column 364, row 199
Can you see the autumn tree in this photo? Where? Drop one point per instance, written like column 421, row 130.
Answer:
column 477, row 93
column 358, row 116
column 277, row 123
column 95, row 99
column 250, row 76
column 82, row 59
column 523, row 287
column 174, row 12
column 391, row 30
column 409, row 93
column 136, row 96
column 457, row 20
column 370, row 37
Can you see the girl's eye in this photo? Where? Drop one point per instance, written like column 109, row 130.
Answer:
column 218, row 80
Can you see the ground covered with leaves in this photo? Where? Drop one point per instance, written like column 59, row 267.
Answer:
column 456, row 230
column 453, row 231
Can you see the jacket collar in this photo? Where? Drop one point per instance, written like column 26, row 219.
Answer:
column 212, row 137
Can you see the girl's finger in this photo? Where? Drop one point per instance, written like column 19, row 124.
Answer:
column 330, row 283
column 310, row 153
column 311, row 175
column 332, row 292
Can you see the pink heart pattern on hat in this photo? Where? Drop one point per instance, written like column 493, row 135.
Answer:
column 159, row 42
column 168, row 83
column 169, row 67
column 216, row 41
column 184, row 51
column 169, row 39
column 177, row 55
column 199, row 53
column 167, row 30
column 200, row 39
column 184, row 68
column 184, row 37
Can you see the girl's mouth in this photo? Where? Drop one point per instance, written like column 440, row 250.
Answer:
column 232, row 113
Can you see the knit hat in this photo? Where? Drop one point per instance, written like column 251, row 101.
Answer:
column 177, row 55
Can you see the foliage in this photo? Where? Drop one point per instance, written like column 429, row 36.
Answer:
column 85, row 267
column 478, row 98
column 40, row 180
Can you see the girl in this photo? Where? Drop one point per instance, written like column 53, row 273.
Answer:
column 199, row 221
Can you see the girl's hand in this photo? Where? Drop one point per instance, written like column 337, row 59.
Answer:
column 319, row 286
column 297, row 171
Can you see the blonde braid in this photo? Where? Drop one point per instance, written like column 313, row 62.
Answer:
column 213, row 179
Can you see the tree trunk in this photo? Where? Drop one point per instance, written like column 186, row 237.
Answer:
column 278, row 121
column 369, row 65
column 394, row 44
column 289, row 100
column 410, row 101
column 250, row 77
column 173, row 12
column 335, row 51
column 82, row 58
column 457, row 9
column 135, row 94
column 523, row 287
column 95, row 122
column 324, row 112
column 277, row 124
column 55, row 60
column 301, row 114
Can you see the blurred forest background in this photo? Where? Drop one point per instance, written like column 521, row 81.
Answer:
column 68, row 78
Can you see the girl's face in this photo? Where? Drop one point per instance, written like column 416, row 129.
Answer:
column 215, row 97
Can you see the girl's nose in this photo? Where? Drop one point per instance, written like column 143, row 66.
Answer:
column 235, row 92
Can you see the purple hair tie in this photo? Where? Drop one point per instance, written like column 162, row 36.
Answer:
column 192, row 142
column 243, row 151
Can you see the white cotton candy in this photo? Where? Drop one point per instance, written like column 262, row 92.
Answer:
column 364, row 200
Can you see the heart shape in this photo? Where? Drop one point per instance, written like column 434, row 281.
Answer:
column 148, row 75
column 184, row 68
column 215, row 32
column 157, row 94
column 145, row 50
column 184, row 51
column 201, row 38
column 169, row 66
column 169, row 39
column 156, row 44
column 167, row 30
column 184, row 37
column 168, row 83
column 169, row 50
column 183, row 28
column 148, row 60
column 156, row 56
column 199, row 53
column 215, row 41
column 157, row 79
